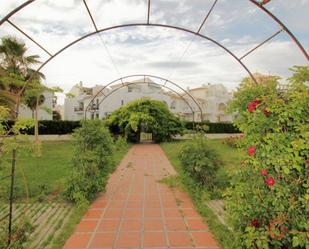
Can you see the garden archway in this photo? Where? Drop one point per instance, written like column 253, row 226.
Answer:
column 163, row 85
column 147, row 23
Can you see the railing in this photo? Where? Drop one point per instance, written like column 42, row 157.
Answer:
column 10, row 214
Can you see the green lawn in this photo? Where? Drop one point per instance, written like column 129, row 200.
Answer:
column 44, row 175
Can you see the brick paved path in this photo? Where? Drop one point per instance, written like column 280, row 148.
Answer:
column 139, row 212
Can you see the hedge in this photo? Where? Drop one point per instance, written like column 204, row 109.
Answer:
column 214, row 127
column 48, row 127
column 60, row 127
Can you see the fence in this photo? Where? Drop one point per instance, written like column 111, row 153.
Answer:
column 10, row 214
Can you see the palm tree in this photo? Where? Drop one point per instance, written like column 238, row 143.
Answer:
column 16, row 67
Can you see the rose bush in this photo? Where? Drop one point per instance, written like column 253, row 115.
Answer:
column 268, row 202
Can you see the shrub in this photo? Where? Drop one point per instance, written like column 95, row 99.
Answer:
column 234, row 141
column 92, row 161
column 199, row 161
column 268, row 202
column 213, row 127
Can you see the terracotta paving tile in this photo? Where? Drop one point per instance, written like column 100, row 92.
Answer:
column 203, row 239
column 77, row 241
column 170, row 204
column 136, row 197
column 128, row 240
column 152, row 213
column 196, row 224
column 103, row 240
column 120, row 197
column 186, row 204
column 93, row 214
column 99, row 204
column 112, row 213
column 153, row 225
column 152, row 204
column 175, row 225
column 178, row 239
column 116, row 204
column 134, row 204
column 172, row 213
column 137, row 211
column 133, row 214
column 86, row 226
column 154, row 239
column 131, row 225
column 108, row 225
column 189, row 212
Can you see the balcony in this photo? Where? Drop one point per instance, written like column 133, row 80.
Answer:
column 78, row 109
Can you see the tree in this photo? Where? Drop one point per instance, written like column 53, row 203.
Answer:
column 145, row 115
column 16, row 70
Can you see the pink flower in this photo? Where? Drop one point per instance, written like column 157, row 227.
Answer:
column 264, row 172
column 270, row 181
column 255, row 223
column 251, row 150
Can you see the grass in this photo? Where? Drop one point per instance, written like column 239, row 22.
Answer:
column 230, row 159
column 43, row 175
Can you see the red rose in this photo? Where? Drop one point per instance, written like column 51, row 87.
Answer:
column 264, row 172
column 266, row 113
column 251, row 150
column 252, row 105
column 255, row 223
column 270, row 181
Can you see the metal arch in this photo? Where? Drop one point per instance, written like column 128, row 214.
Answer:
column 6, row 18
column 137, row 83
column 284, row 27
column 147, row 75
column 257, row 4
column 152, row 25
column 15, row 11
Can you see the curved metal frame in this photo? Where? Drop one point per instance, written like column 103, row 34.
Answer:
column 153, row 25
column 144, row 82
column 197, row 33
column 138, row 83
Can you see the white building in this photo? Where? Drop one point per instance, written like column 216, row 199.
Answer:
column 212, row 99
column 45, row 110
column 217, row 97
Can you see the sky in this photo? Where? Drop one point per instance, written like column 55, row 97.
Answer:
column 179, row 56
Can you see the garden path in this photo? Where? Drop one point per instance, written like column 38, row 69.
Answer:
column 137, row 211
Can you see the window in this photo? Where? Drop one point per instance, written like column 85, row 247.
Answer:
column 222, row 107
column 92, row 115
column 97, row 107
column 122, row 102
column 97, row 115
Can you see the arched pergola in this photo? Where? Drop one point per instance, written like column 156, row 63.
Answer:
column 147, row 23
column 163, row 85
